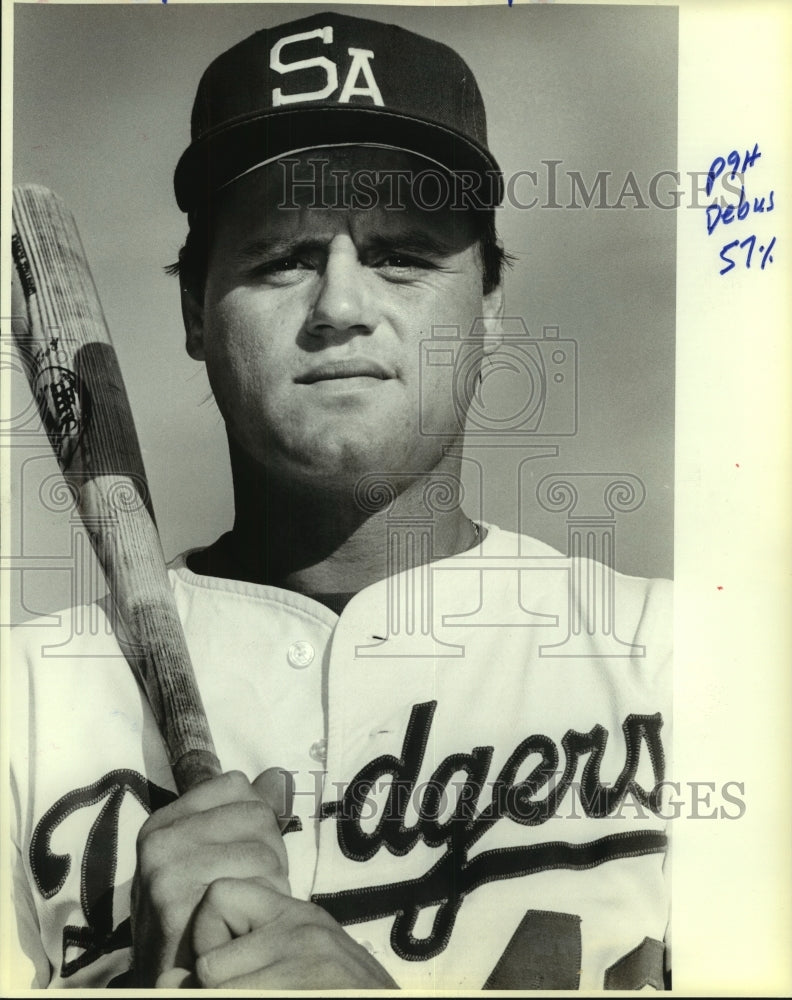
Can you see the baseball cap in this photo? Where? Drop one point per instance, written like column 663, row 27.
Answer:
column 333, row 80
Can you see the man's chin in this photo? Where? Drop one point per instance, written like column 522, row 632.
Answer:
column 341, row 461
column 356, row 466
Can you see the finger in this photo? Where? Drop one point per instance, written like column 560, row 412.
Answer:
column 305, row 974
column 252, row 819
column 337, row 963
column 181, row 844
column 229, row 911
column 276, row 788
column 239, row 862
column 233, row 786
column 277, row 976
column 176, row 979
column 287, row 976
column 184, row 885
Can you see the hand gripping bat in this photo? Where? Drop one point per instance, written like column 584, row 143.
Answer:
column 62, row 336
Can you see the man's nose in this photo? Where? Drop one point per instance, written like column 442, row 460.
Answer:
column 344, row 299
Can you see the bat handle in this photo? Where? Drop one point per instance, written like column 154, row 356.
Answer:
column 193, row 767
column 55, row 303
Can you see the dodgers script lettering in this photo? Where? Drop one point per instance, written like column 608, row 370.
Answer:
column 456, row 874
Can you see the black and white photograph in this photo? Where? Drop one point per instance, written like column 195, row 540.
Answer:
column 362, row 556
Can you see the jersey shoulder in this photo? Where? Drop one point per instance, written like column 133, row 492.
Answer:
column 642, row 605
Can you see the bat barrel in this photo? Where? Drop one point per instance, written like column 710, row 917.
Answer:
column 73, row 370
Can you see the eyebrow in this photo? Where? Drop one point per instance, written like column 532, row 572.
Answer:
column 409, row 241
column 264, row 246
column 412, row 240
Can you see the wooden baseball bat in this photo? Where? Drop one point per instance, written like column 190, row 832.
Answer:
column 61, row 333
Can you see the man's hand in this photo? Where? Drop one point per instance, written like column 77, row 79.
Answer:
column 226, row 828
column 249, row 936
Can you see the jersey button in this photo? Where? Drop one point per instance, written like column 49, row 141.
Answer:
column 318, row 751
column 300, row 654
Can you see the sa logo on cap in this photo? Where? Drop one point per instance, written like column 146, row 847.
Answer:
column 361, row 66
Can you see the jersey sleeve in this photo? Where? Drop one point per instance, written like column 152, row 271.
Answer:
column 28, row 965
column 655, row 632
column 667, row 864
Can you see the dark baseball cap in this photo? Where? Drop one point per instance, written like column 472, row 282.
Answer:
column 333, row 80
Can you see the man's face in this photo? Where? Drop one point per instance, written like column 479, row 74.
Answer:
column 312, row 320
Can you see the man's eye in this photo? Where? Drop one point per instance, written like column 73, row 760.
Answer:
column 285, row 264
column 403, row 262
column 283, row 269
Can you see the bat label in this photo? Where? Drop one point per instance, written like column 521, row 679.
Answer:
column 23, row 266
column 64, row 404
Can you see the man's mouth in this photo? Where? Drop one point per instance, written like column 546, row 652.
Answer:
column 345, row 368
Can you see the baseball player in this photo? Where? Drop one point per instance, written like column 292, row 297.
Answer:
column 445, row 757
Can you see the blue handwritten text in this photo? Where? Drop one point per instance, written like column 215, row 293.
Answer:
column 726, row 214
column 733, row 160
column 748, row 245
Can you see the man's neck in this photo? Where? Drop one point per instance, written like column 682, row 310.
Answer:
column 323, row 543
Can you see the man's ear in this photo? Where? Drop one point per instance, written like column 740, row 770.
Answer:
column 493, row 303
column 193, row 316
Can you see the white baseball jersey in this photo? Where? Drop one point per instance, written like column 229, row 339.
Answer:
column 478, row 748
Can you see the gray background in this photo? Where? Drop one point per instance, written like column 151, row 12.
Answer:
column 102, row 97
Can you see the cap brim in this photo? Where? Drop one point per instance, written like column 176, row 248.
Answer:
column 220, row 157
